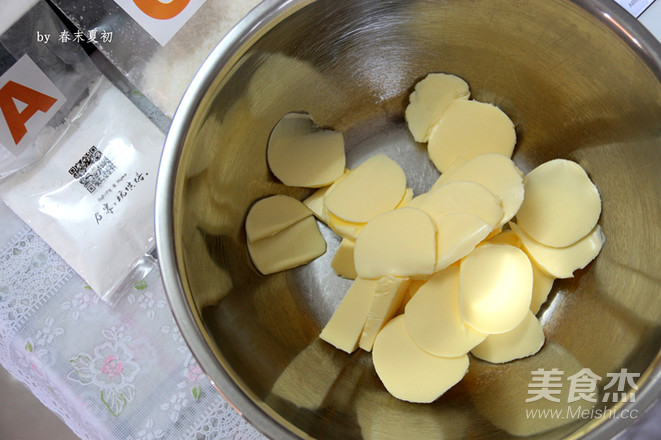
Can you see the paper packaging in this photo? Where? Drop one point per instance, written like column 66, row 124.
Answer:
column 86, row 182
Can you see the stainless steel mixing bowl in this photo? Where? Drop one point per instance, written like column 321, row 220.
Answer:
column 581, row 80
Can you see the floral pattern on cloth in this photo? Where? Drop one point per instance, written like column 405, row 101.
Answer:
column 119, row 372
column 29, row 272
column 110, row 368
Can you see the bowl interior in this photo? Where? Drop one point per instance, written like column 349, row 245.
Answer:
column 575, row 88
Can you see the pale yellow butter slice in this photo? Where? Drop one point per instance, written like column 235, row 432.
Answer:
column 505, row 237
column 523, row 340
column 541, row 281
column 343, row 228
column 562, row 262
column 271, row 215
column 427, row 103
column 469, row 129
column 433, row 319
column 294, row 246
column 342, row 262
column 463, row 196
column 315, row 203
column 495, row 288
column 407, row 371
column 442, row 179
column 406, row 199
column 345, row 327
column 388, row 296
column 498, row 174
column 412, row 289
column 457, row 234
column 400, row 243
column 417, row 201
column 301, row 154
column 561, row 204
column 493, row 233
column 376, row 186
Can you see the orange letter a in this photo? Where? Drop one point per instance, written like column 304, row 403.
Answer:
column 35, row 101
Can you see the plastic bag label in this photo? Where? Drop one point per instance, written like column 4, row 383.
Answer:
column 635, row 7
column 28, row 100
column 161, row 20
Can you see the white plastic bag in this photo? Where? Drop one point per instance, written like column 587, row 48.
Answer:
column 91, row 198
column 63, row 68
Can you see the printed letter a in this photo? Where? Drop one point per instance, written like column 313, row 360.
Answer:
column 16, row 119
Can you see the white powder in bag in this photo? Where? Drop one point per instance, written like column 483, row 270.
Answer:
column 91, row 198
column 168, row 73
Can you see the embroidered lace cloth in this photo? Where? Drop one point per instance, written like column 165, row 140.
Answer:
column 121, row 372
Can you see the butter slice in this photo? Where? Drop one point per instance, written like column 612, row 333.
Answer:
column 399, row 243
column 498, row 174
column 469, row 129
column 301, row 154
column 457, row 234
column 463, row 196
column 294, row 246
column 343, row 228
column 505, row 237
column 433, row 319
column 524, row 340
column 541, row 281
column 410, row 373
column 345, row 327
column 495, row 288
column 561, row 204
column 342, row 262
column 388, row 296
column 412, row 289
column 428, row 102
column 315, row 203
column 562, row 262
column 417, row 201
column 442, row 179
column 374, row 187
column 408, row 196
column 270, row 215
